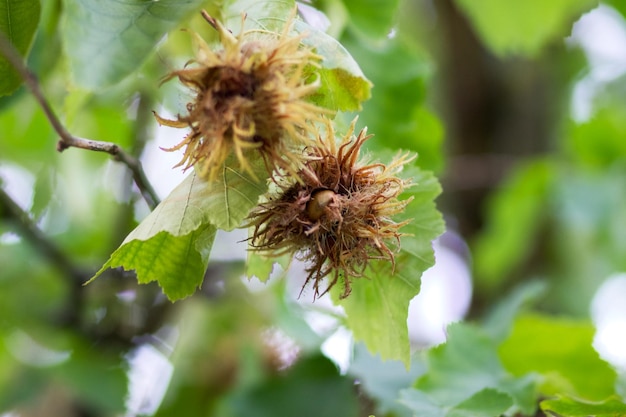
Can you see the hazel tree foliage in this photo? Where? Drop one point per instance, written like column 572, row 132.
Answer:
column 306, row 138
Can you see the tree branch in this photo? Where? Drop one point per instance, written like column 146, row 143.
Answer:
column 67, row 140
column 28, row 230
column 118, row 154
column 71, row 314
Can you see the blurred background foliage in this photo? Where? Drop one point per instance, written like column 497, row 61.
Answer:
column 517, row 106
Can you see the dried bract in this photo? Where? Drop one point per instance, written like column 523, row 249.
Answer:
column 249, row 97
column 339, row 217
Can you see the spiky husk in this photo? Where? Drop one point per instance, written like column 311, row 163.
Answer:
column 339, row 217
column 250, row 101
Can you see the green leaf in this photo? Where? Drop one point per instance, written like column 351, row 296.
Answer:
column 266, row 15
column 224, row 203
column 485, row 403
column 28, row 136
column 343, row 85
column 180, row 213
column 383, row 380
column 172, row 244
column 561, row 350
column 46, row 296
column 499, row 321
column 43, row 191
column 18, row 21
column 177, row 263
column 523, row 27
column 107, row 40
column 261, row 266
column 618, row 5
column 397, row 114
column 570, row 407
column 516, row 213
column 311, row 388
column 467, row 364
column 341, row 89
column 97, row 378
column 372, row 18
column 421, row 403
column 464, row 365
column 229, row 199
column 589, row 226
column 377, row 307
column 598, row 143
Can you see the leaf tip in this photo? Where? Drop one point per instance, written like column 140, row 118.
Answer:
column 106, row 266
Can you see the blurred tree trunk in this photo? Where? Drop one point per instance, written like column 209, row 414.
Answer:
column 498, row 113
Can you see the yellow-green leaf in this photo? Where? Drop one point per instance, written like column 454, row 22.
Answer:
column 377, row 307
column 523, row 27
column 177, row 263
column 571, row 407
column 562, row 351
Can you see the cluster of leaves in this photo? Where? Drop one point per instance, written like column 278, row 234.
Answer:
column 482, row 373
column 507, row 364
column 173, row 244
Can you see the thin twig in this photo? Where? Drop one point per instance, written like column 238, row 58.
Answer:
column 67, row 140
column 144, row 121
column 140, row 135
column 118, row 154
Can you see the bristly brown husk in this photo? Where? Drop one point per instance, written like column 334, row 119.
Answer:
column 249, row 98
column 339, row 217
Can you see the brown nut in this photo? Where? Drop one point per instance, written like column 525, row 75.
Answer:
column 317, row 204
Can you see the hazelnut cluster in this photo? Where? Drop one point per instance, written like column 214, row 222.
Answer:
column 339, row 217
column 329, row 207
column 250, row 101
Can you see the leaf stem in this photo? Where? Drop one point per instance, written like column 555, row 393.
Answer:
column 66, row 139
